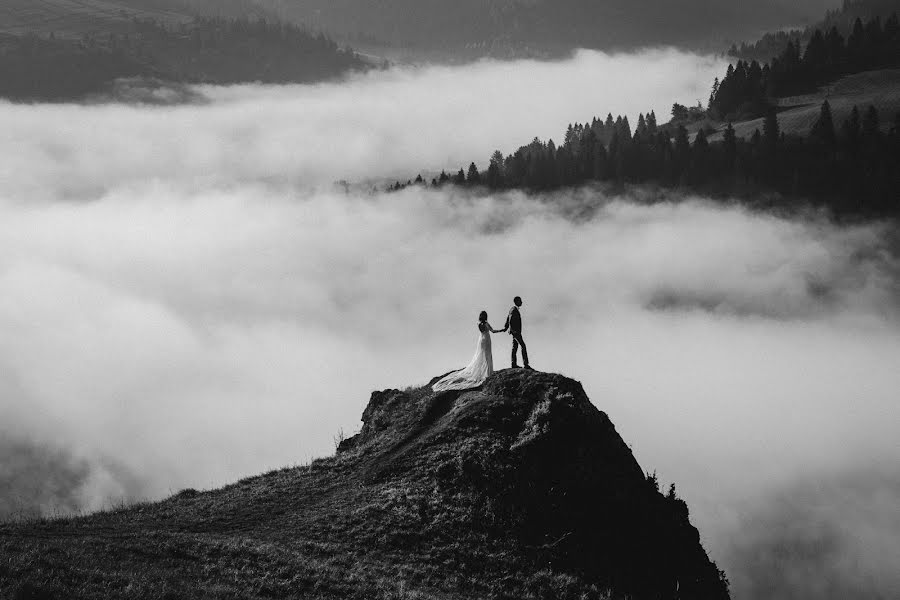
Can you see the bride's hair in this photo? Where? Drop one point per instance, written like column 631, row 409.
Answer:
column 483, row 316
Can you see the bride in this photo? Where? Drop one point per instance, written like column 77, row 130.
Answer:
column 482, row 365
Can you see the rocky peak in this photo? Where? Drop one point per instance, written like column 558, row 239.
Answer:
column 547, row 468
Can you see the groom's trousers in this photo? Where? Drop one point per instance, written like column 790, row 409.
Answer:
column 518, row 341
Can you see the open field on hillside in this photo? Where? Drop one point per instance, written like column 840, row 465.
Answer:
column 76, row 17
column 797, row 114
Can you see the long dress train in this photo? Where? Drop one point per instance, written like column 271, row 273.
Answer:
column 475, row 373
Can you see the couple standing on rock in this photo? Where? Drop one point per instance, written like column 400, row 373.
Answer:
column 482, row 365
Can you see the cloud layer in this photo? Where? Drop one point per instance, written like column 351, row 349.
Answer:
column 383, row 124
column 185, row 300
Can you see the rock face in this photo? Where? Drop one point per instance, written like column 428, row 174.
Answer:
column 520, row 489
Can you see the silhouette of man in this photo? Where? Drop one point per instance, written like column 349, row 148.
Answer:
column 514, row 326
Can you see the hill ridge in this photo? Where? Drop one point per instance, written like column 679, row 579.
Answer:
column 519, row 489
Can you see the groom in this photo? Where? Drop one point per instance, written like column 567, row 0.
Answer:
column 514, row 327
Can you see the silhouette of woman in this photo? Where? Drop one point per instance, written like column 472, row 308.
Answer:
column 482, row 365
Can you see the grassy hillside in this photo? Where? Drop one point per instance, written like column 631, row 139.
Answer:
column 798, row 114
column 521, row 489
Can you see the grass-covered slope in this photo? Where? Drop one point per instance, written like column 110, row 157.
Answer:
column 798, row 114
column 521, row 489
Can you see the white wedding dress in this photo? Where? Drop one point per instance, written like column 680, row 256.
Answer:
column 481, row 367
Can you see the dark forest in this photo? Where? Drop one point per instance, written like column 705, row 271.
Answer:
column 849, row 167
column 208, row 50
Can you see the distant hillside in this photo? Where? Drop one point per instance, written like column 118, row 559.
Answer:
column 556, row 26
column 836, row 147
column 842, row 19
column 66, row 18
column 77, row 17
column 462, row 29
column 209, row 50
column 521, row 489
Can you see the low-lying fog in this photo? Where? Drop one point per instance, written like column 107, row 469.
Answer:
column 186, row 300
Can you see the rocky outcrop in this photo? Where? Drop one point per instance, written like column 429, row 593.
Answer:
column 541, row 465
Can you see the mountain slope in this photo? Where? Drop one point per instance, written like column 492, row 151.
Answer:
column 522, row 489
column 772, row 44
column 149, row 60
column 798, row 114
column 73, row 18
column 76, row 17
column 548, row 25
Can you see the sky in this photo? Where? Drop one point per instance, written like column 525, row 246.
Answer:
column 186, row 298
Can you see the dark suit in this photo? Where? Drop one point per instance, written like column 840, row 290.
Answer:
column 514, row 325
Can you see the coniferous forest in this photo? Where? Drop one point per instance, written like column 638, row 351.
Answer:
column 748, row 88
column 850, row 167
column 843, row 19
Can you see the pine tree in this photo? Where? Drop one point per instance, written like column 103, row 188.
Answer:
column 497, row 159
column 473, row 177
column 850, row 131
column 756, row 138
column 823, row 130
column 626, row 128
column 729, row 146
column 679, row 112
column 682, row 150
column 700, row 142
column 855, row 45
column 682, row 144
column 870, row 123
column 834, row 43
column 493, row 176
column 570, row 135
column 641, row 129
column 893, row 140
column 815, row 57
column 701, row 157
column 712, row 95
column 770, row 130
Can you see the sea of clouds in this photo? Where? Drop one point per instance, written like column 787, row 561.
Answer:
column 186, row 299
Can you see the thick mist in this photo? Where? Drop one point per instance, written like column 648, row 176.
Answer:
column 382, row 124
column 185, row 299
